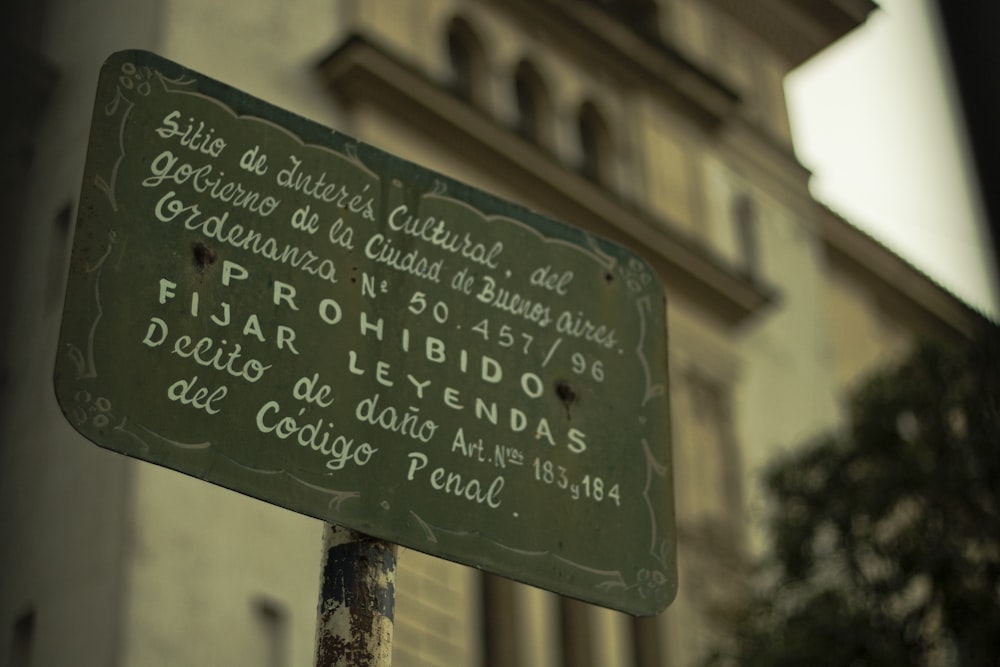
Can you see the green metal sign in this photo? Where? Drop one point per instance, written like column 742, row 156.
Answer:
column 274, row 307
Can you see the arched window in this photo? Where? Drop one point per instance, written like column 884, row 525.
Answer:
column 595, row 143
column 744, row 213
column 534, row 109
column 468, row 62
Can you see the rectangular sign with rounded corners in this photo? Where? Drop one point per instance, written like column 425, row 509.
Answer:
column 269, row 305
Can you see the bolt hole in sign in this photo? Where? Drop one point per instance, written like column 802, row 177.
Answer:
column 271, row 306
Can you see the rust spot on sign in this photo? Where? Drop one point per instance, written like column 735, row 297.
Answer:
column 566, row 394
column 203, row 255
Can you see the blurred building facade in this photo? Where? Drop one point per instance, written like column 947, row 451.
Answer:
column 659, row 124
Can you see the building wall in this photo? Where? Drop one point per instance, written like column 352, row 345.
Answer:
column 215, row 578
column 114, row 562
column 65, row 506
column 865, row 336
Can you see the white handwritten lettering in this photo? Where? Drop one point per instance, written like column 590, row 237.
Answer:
column 380, row 248
column 316, row 186
column 504, row 299
column 201, row 399
column 453, row 483
column 198, row 138
column 390, row 419
column 167, row 168
column 169, row 208
column 314, row 436
column 436, row 233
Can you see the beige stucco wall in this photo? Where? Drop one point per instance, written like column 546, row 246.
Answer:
column 201, row 562
column 264, row 48
column 865, row 336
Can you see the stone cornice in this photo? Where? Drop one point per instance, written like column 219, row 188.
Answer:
column 896, row 279
column 799, row 29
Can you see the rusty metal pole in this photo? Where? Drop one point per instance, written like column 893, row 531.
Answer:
column 357, row 600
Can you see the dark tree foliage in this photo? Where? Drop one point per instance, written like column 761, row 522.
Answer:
column 886, row 538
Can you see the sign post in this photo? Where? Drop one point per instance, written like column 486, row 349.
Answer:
column 277, row 308
column 357, row 600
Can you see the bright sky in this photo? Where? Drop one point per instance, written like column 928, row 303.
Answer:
column 871, row 118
